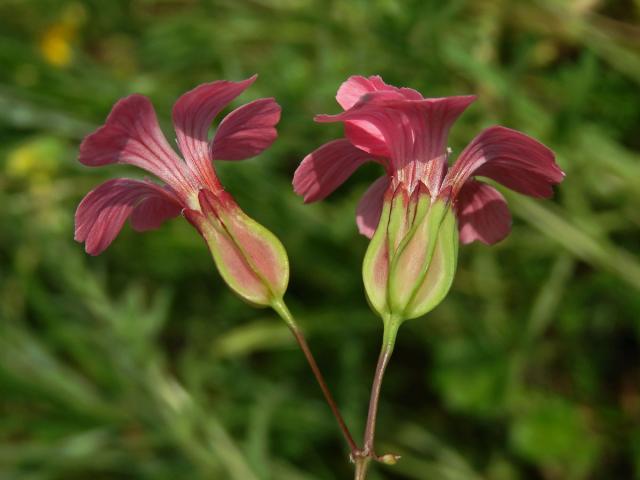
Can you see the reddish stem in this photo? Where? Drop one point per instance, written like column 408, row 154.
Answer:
column 282, row 310
column 370, row 430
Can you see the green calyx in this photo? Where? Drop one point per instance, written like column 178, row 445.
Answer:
column 250, row 259
column 375, row 267
column 411, row 261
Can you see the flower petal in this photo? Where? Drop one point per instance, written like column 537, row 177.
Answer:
column 414, row 132
column 365, row 134
column 193, row 113
column 131, row 135
column 246, row 131
column 370, row 207
column 511, row 158
column 325, row 169
column 367, row 137
column 356, row 86
column 482, row 213
column 103, row 211
column 152, row 212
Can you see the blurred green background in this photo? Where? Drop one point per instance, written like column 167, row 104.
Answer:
column 139, row 363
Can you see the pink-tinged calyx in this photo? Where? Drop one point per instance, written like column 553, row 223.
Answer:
column 251, row 260
column 411, row 260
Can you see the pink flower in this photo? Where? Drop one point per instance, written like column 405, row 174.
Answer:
column 251, row 259
column 418, row 212
column 407, row 134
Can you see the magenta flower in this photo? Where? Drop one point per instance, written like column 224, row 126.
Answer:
column 413, row 213
column 251, row 260
column 407, row 134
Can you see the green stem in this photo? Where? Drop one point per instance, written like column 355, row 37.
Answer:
column 282, row 310
column 391, row 325
column 362, row 467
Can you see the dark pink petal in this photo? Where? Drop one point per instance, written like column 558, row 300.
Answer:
column 131, row 134
column 152, row 212
column 192, row 116
column 511, row 158
column 356, row 86
column 364, row 133
column 325, row 169
column 367, row 137
column 103, row 211
column 370, row 207
column 414, row 132
column 246, row 131
column 482, row 213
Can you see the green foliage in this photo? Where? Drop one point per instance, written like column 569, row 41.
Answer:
column 554, row 432
column 141, row 364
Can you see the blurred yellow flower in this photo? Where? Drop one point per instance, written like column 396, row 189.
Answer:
column 55, row 45
column 56, row 41
column 36, row 160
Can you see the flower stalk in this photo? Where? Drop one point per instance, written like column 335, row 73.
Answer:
column 391, row 325
column 367, row 454
column 362, row 467
column 281, row 309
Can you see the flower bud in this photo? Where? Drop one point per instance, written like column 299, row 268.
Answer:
column 251, row 260
column 411, row 260
column 389, row 459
